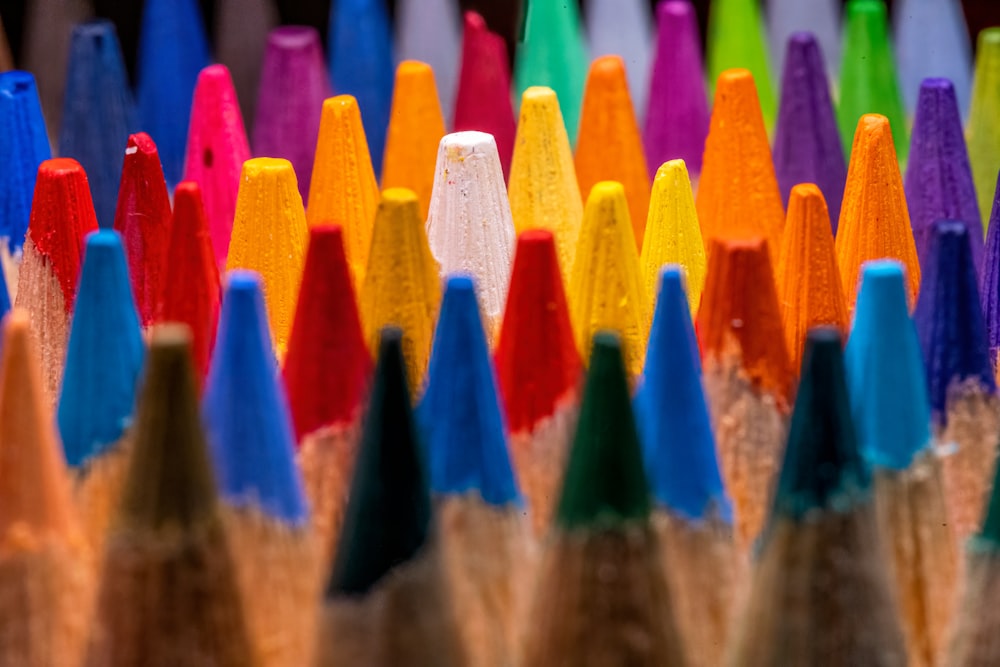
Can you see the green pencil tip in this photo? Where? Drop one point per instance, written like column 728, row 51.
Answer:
column 736, row 41
column 605, row 481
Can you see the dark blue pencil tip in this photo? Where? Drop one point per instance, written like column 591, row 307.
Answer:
column 105, row 354
column 885, row 371
column 173, row 49
column 672, row 416
column 98, row 114
column 949, row 318
column 460, row 416
column 989, row 279
column 822, row 469
column 245, row 410
column 24, row 145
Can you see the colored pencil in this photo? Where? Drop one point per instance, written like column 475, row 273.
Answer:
column 104, row 359
column 388, row 574
column 622, row 28
column 469, row 224
column 264, row 511
column 343, row 189
column 736, row 39
column 677, row 105
column 416, row 126
column 981, row 132
column 241, row 29
column 25, row 145
column 989, row 279
column 143, row 218
column 606, row 289
column 602, row 525
column 932, row 40
column 820, row 591
column 431, row 32
column 673, row 235
column 401, row 286
column 293, row 84
column 327, row 374
column 216, row 150
column 61, row 217
column 692, row 514
column 168, row 593
column 609, row 146
column 538, row 373
column 748, row 375
column 484, row 532
column 821, row 18
column 269, row 236
column 890, row 407
column 965, row 409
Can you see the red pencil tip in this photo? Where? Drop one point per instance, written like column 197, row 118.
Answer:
column 536, row 359
column 327, row 366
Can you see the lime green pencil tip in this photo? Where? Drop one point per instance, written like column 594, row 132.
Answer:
column 736, row 40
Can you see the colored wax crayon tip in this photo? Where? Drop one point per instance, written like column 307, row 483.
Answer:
column 740, row 303
column 950, row 319
column 483, row 101
column 606, row 290
column 982, row 132
column 736, row 39
column 537, row 362
column 622, row 27
column 874, row 221
column 191, row 289
column 173, row 49
column 989, row 280
column 431, row 31
column 104, row 356
column 609, row 147
column 361, row 64
column 822, row 468
column 807, row 278
column 143, row 218
column 402, row 286
column 469, row 224
column 98, row 113
column 294, row 82
column 605, row 484
column 807, row 145
column 677, row 105
column 169, row 480
column 34, row 490
column 25, row 145
column 932, row 39
column 672, row 415
column 460, row 416
column 551, row 52
column 343, row 186
column 673, row 235
column 738, row 194
column 388, row 515
column 868, row 73
column 938, row 180
column 328, row 367
column 885, row 371
column 820, row 17
column 416, row 126
column 245, row 411
column 217, row 147
column 61, row 217
column 543, row 189
column 269, row 236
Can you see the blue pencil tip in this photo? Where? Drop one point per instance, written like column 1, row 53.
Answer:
column 105, row 354
column 949, row 318
column 245, row 410
column 672, row 415
column 24, row 145
column 460, row 416
column 98, row 113
column 885, row 371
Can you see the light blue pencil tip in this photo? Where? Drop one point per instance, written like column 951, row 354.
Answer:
column 246, row 412
column 460, row 416
column 104, row 357
column 24, row 145
column 885, row 371
column 674, row 426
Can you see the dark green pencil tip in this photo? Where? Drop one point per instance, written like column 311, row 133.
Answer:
column 823, row 469
column 605, row 481
column 388, row 515
column 170, row 479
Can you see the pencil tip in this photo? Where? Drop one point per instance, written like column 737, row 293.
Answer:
column 25, row 144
